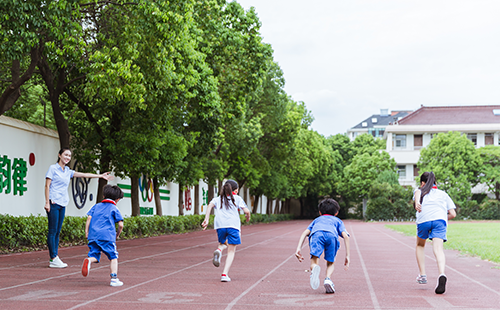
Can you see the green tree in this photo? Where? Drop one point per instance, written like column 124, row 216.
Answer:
column 362, row 172
column 490, row 168
column 455, row 162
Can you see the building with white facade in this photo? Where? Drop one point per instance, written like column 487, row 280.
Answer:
column 408, row 135
column 375, row 124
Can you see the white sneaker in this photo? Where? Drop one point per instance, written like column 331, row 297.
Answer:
column 115, row 282
column 86, row 267
column 56, row 262
column 216, row 259
column 329, row 287
column 225, row 278
column 314, row 277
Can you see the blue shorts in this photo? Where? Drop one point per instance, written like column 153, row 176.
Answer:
column 107, row 247
column 432, row 229
column 232, row 235
column 324, row 241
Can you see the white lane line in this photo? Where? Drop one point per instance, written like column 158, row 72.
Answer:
column 125, row 248
column 167, row 275
column 126, row 261
column 365, row 271
column 232, row 303
column 447, row 266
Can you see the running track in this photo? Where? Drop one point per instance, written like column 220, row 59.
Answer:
column 176, row 272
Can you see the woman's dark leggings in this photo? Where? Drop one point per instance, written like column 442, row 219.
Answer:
column 56, row 218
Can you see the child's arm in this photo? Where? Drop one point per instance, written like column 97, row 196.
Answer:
column 345, row 235
column 299, row 246
column 87, row 226
column 207, row 216
column 451, row 214
column 120, row 228
column 247, row 214
column 417, row 204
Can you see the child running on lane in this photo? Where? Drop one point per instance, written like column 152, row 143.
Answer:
column 227, row 223
column 324, row 234
column 100, row 231
column 434, row 208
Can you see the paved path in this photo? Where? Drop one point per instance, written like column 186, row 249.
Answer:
column 176, row 272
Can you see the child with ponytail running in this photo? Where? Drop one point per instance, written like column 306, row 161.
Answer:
column 227, row 223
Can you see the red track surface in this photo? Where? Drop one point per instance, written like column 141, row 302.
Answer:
column 176, row 272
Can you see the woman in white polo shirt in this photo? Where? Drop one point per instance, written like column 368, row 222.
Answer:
column 434, row 209
column 56, row 198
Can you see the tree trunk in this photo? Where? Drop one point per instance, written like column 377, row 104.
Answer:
column 245, row 194
column 287, row 205
column 55, row 89
column 301, row 207
column 156, row 189
column 255, row 204
column 104, row 167
column 219, row 184
column 10, row 95
column 269, row 208
column 197, row 199
column 180, row 205
column 210, row 194
column 134, row 195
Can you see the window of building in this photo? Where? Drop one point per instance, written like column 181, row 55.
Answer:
column 402, row 172
column 472, row 137
column 417, row 141
column 488, row 139
column 400, row 141
column 416, row 171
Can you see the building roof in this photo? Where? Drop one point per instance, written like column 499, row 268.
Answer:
column 382, row 120
column 448, row 115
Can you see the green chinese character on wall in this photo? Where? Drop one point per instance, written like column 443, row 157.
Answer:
column 19, row 170
column 5, row 173
column 204, row 196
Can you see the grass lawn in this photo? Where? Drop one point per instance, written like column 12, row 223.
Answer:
column 481, row 239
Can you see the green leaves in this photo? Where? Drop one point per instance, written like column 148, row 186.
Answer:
column 455, row 162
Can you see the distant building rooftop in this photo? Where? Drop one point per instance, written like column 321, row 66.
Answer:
column 382, row 119
column 486, row 114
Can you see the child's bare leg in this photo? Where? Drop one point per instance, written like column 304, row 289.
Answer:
column 314, row 261
column 113, row 266
column 329, row 269
column 421, row 255
column 222, row 246
column 231, row 250
column 437, row 247
column 92, row 259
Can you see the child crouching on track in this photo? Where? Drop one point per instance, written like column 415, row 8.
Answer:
column 227, row 223
column 100, row 231
column 323, row 235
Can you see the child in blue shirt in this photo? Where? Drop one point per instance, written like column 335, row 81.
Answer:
column 323, row 234
column 100, row 231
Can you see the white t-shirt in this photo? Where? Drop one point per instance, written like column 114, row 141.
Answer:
column 435, row 206
column 228, row 217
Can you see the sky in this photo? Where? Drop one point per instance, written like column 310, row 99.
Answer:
column 347, row 59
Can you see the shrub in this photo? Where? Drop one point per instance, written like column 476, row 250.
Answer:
column 25, row 233
column 389, row 202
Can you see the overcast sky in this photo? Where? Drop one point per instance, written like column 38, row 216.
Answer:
column 347, row 59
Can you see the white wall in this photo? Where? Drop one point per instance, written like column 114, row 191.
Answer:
column 20, row 139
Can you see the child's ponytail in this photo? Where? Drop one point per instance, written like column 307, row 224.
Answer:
column 430, row 180
column 227, row 193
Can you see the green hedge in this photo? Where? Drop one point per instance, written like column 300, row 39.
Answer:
column 28, row 233
column 488, row 209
